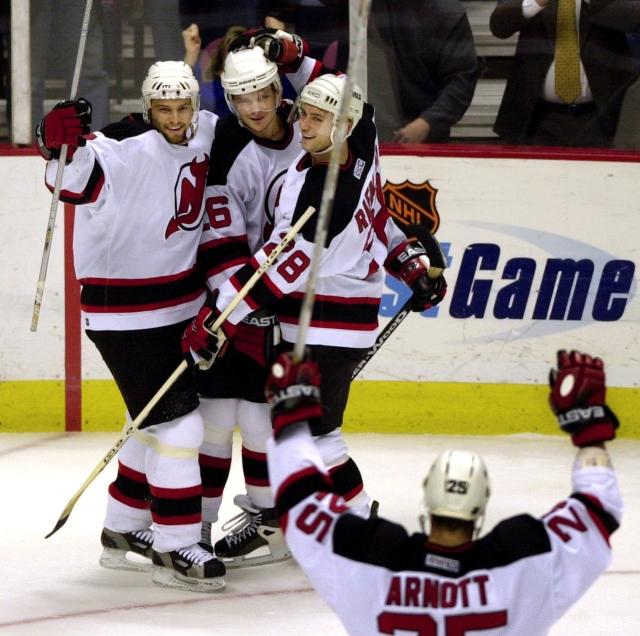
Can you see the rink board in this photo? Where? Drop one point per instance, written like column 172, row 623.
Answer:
column 542, row 255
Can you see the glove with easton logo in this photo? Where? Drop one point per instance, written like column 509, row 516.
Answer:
column 200, row 343
column 419, row 264
column 293, row 391
column 577, row 398
column 66, row 123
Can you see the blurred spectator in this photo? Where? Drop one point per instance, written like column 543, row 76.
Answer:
column 634, row 44
column 532, row 110
column 55, row 35
column 208, row 64
column 215, row 16
column 323, row 23
column 163, row 16
column 5, row 49
column 422, row 68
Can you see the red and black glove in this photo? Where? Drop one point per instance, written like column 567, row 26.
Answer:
column 66, row 123
column 254, row 336
column 412, row 264
column 287, row 50
column 200, row 343
column 293, row 391
column 577, row 398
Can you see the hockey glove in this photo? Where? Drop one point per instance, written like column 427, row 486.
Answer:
column 293, row 390
column 287, row 50
column 65, row 123
column 412, row 265
column 255, row 336
column 577, row 398
column 427, row 292
column 200, row 344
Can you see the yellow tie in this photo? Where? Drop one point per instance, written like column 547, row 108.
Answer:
column 567, row 53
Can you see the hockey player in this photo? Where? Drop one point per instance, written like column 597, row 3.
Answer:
column 351, row 277
column 139, row 189
column 255, row 146
column 518, row 579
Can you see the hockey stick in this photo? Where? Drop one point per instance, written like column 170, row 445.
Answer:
column 439, row 264
column 62, row 160
column 330, row 183
column 181, row 368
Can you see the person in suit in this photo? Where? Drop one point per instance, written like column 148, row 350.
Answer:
column 534, row 108
column 422, row 68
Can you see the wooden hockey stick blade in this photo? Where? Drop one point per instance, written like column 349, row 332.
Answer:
column 181, row 368
column 169, row 382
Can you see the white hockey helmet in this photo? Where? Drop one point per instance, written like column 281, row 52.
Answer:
column 248, row 70
column 325, row 92
column 171, row 80
column 457, row 486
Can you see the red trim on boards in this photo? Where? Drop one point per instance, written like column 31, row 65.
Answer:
column 488, row 151
column 9, row 150
column 72, row 346
column 480, row 151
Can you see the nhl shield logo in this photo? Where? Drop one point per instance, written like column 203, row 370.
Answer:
column 411, row 203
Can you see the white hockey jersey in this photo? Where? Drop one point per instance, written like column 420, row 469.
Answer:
column 242, row 189
column 138, row 223
column 351, row 277
column 515, row 581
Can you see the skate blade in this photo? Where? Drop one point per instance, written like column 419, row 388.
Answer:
column 115, row 559
column 261, row 556
column 166, row 577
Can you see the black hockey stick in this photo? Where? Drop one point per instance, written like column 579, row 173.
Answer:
column 438, row 264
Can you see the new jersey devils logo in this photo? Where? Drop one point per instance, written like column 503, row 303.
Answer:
column 189, row 194
column 271, row 199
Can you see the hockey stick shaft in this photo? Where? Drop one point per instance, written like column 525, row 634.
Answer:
column 383, row 336
column 330, row 184
column 55, row 198
column 181, row 368
column 390, row 327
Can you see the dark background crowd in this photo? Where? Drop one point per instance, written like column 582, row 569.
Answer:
column 437, row 70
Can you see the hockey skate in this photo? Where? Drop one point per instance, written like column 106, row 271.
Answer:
column 117, row 545
column 254, row 537
column 191, row 568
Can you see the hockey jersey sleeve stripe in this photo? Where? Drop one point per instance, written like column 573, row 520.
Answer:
column 91, row 191
column 264, row 292
column 139, row 282
column 380, row 224
column 300, row 485
column 149, row 306
column 333, row 312
column 605, row 522
column 217, row 256
column 143, row 296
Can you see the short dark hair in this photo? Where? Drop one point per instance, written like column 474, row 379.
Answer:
column 451, row 524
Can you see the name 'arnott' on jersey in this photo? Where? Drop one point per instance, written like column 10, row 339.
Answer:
column 350, row 276
column 138, row 224
column 517, row 580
